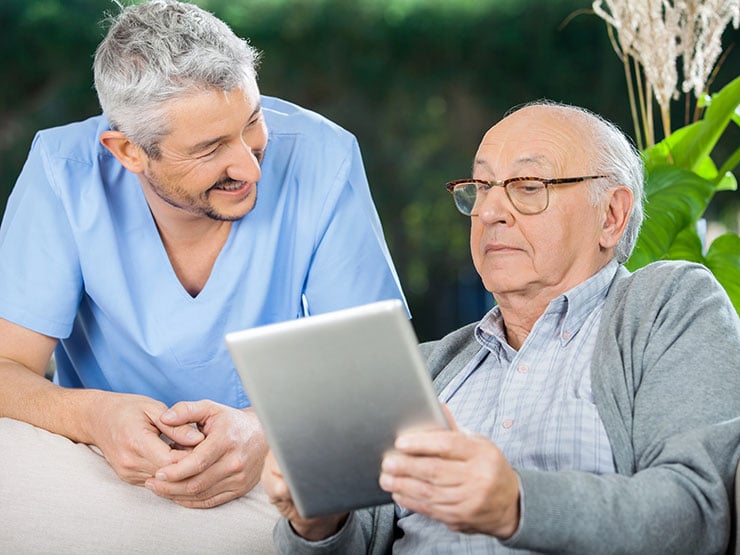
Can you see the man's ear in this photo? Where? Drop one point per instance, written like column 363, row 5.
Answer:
column 126, row 152
column 616, row 216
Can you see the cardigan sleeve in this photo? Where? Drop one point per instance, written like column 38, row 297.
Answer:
column 367, row 531
column 666, row 378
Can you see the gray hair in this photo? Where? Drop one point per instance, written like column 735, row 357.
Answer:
column 161, row 50
column 615, row 156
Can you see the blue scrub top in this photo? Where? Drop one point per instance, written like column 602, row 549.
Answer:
column 81, row 259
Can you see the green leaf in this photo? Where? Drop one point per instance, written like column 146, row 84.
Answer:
column 723, row 259
column 661, row 153
column 736, row 116
column 725, row 171
column 675, row 200
column 728, row 182
column 697, row 143
column 687, row 246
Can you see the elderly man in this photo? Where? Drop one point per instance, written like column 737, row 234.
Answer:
column 595, row 411
column 132, row 242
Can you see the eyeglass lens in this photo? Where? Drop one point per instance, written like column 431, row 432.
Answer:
column 528, row 197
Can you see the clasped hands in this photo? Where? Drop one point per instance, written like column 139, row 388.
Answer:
column 460, row 479
column 214, row 455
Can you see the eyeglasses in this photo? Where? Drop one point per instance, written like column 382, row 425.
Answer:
column 528, row 195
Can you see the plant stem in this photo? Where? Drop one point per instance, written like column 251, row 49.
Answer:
column 633, row 107
column 642, row 101
column 665, row 116
column 729, row 165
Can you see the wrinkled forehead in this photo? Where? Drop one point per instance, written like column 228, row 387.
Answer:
column 550, row 140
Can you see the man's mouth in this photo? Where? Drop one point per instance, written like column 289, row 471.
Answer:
column 499, row 248
column 229, row 186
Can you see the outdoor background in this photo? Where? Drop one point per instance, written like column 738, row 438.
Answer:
column 417, row 81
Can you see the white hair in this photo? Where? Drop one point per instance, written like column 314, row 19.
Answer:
column 161, row 50
column 615, row 156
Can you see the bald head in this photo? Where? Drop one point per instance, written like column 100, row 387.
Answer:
column 583, row 143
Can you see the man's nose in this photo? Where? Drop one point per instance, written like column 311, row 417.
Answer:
column 495, row 206
column 244, row 165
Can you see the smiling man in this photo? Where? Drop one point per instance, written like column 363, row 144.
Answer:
column 592, row 410
column 132, row 242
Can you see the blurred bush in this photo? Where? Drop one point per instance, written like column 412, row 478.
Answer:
column 418, row 82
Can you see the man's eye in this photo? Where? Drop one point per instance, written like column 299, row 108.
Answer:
column 210, row 152
column 528, row 187
column 256, row 119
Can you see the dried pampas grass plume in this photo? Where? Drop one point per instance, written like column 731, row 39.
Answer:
column 654, row 34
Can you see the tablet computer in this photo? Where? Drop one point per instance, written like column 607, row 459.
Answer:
column 332, row 392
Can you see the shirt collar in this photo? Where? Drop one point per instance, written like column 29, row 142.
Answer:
column 572, row 308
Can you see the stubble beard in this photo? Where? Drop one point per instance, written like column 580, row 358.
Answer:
column 197, row 206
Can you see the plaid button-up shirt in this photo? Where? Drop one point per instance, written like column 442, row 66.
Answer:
column 535, row 404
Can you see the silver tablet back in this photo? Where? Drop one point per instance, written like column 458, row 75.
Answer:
column 332, row 392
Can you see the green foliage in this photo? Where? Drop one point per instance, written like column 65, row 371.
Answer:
column 682, row 180
column 417, row 81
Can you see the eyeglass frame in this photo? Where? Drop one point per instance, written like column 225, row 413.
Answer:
column 450, row 186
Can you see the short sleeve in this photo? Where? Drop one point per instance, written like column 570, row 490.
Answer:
column 40, row 279
column 351, row 253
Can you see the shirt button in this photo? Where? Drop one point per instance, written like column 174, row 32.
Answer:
column 566, row 335
column 522, row 368
column 508, row 423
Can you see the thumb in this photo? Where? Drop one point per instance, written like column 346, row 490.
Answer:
column 451, row 421
column 449, row 417
column 180, row 422
column 185, row 412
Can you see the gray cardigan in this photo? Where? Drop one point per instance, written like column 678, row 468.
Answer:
column 666, row 382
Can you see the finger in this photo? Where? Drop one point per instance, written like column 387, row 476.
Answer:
column 179, row 423
column 433, row 508
column 194, row 477
column 200, row 489
column 423, row 497
column 270, row 470
column 176, row 455
column 276, row 488
column 449, row 417
column 143, row 453
column 185, row 436
column 207, row 489
column 195, row 462
column 430, row 470
column 279, row 495
column 447, row 444
column 186, row 412
column 203, row 502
